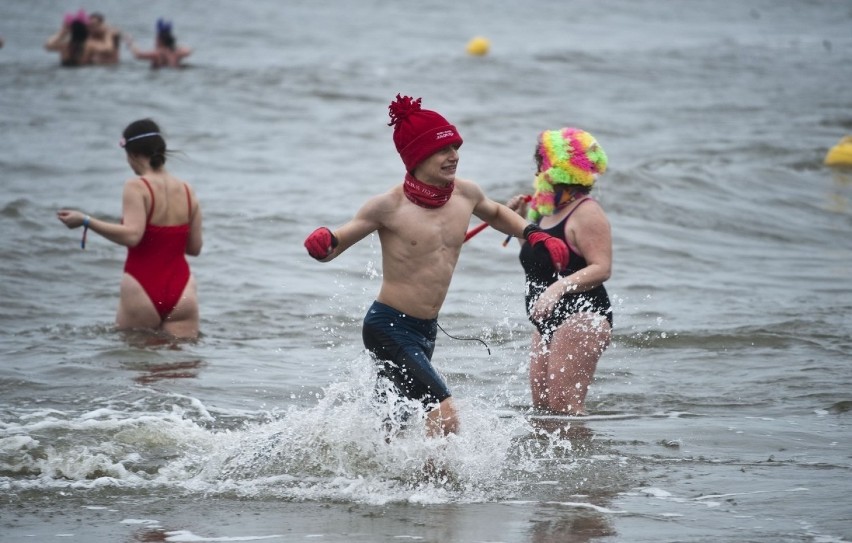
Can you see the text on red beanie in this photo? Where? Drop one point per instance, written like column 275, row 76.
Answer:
column 417, row 132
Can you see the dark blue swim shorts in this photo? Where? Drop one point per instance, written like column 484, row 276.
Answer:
column 403, row 345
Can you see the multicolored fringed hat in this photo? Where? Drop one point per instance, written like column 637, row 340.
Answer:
column 569, row 156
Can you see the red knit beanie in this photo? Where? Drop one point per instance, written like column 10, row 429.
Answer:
column 418, row 133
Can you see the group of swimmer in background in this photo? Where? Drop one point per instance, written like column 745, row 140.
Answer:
column 87, row 40
column 422, row 221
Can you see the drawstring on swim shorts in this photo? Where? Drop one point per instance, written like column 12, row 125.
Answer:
column 466, row 339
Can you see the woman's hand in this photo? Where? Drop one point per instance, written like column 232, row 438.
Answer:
column 546, row 303
column 543, row 307
column 71, row 219
column 518, row 204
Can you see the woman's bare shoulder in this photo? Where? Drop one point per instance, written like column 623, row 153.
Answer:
column 590, row 214
column 134, row 184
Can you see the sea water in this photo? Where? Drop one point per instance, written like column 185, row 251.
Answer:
column 720, row 411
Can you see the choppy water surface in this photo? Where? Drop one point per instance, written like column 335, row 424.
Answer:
column 720, row 412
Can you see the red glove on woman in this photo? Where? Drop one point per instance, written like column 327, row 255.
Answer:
column 555, row 246
column 320, row 243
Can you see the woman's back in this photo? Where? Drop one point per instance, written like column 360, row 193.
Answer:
column 168, row 57
column 168, row 201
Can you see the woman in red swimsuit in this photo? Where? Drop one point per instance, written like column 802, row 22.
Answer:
column 161, row 224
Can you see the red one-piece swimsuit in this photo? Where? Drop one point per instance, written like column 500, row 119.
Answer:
column 158, row 262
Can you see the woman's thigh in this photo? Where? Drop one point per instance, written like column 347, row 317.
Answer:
column 579, row 342
column 135, row 308
column 183, row 320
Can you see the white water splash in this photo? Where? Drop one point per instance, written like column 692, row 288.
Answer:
column 340, row 448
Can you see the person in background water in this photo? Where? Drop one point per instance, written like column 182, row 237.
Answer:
column 166, row 53
column 72, row 40
column 421, row 224
column 104, row 41
column 570, row 308
column 161, row 223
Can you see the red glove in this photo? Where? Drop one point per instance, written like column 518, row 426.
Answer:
column 555, row 246
column 320, row 243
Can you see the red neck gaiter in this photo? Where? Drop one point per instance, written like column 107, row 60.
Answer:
column 425, row 195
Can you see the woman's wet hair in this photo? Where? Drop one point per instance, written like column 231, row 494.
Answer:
column 79, row 31
column 167, row 38
column 79, row 34
column 164, row 34
column 143, row 138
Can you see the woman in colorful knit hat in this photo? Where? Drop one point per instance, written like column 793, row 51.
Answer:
column 570, row 309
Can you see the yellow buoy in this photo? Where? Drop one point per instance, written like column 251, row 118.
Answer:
column 478, row 46
column 840, row 154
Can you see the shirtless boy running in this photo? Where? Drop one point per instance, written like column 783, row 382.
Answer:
column 421, row 224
